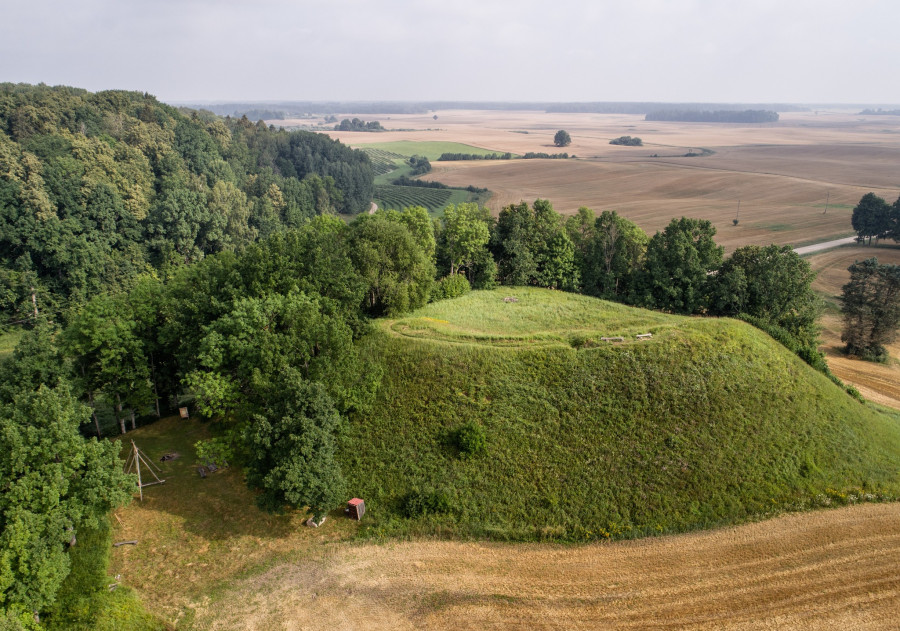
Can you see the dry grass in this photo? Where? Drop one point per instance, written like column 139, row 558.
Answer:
column 825, row 570
column 878, row 382
column 198, row 536
column 206, row 559
column 781, row 172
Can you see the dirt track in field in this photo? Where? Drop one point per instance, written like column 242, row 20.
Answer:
column 835, row 569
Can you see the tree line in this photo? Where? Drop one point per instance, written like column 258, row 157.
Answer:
column 714, row 116
column 358, row 124
column 449, row 156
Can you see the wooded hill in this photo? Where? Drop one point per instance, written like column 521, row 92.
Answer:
column 504, row 414
column 98, row 188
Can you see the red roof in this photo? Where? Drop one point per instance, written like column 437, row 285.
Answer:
column 355, row 501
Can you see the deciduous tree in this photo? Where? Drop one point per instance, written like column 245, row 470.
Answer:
column 678, row 264
column 54, row 483
column 773, row 283
column 871, row 308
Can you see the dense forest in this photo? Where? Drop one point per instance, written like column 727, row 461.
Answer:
column 96, row 189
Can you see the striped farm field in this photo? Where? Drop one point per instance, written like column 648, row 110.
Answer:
column 782, row 173
column 383, row 161
column 398, row 197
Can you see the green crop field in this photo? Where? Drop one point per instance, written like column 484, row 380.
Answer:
column 383, row 161
column 434, row 199
column 709, row 422
column 431, row 150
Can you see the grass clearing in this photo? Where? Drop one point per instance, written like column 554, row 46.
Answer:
column 196, row 537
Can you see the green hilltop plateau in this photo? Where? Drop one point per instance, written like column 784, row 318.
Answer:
column 503, row 414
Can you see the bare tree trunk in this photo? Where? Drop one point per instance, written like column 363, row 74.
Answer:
column 119, row 416
column 155, row 390
column 133, row 424
column 34, row 302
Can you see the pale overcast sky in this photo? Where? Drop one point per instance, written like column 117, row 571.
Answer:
column 843, row 51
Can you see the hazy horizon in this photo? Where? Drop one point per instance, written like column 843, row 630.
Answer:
column 696, row 51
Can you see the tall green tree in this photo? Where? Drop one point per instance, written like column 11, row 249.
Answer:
column 54, row 483
column 676, row 275
column 895, row 221
column 871, row 217
column 292, row 446
column 464, row 237
column 109, row 355
column 871, row 308
column 611, row 253
column 773, row 283
column 532, row 247
column 562, row 138
column 393, row 263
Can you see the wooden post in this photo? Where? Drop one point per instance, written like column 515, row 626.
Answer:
column 137, row 459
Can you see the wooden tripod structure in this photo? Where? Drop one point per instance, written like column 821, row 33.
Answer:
column 133, row 465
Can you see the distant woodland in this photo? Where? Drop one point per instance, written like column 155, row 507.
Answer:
column 715, row 116
column 881, row 112
column 291, row 109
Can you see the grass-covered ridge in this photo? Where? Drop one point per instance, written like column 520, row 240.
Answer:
column 709, row 422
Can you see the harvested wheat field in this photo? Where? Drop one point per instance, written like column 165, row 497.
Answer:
column 774, row 208
column 782, row 172
column 878, row 382
column 833, row 569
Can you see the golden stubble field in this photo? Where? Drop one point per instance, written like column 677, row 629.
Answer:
column 833, row 569
column 878, row 382
column 782, row 173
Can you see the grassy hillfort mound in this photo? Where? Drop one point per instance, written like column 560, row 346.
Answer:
column 574, row 438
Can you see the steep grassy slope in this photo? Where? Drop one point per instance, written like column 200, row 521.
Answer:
column 711, row 421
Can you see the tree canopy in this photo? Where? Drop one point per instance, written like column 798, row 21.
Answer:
column 562, row 138
column 97, row 189
column 874, row 217
column 55, row 482
column 871, row 308
column 773, row 283
column 679, row 260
